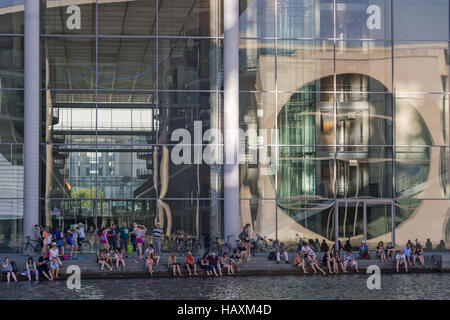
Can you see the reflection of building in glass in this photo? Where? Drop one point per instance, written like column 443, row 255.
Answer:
column 360, row 106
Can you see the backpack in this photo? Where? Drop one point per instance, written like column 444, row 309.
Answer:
column 14, row 266
column 272, row 256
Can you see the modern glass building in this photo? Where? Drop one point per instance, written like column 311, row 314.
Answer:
column 127, row 110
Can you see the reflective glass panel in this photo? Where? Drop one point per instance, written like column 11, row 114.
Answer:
column 127, row 17
column 421, row 66
column 256, row 65
column 305, row 18
column 68, row 63
column 11, row 171
column 256, row 18
column 421, row 20
column 127, row 64
column 189, row 18
column 11, row 16
column 11, row 62
column 364, row 172
column 300, row 64
column 422, row 119
column 187, row 64
column 11, row 116
column 371, row 59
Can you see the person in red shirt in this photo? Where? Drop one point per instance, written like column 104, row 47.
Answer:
column 189, row 263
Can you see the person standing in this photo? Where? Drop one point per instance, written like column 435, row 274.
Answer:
column 124, row 232
column 133, row 236
column 59, row 239
column 112, row 239
column 157, row 234
column 81, row 234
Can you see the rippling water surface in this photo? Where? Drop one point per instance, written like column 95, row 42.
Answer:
column 393, row 286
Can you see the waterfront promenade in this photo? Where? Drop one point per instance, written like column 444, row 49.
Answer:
column 258, row 265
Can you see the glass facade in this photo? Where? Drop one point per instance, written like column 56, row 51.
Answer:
column 343, row 109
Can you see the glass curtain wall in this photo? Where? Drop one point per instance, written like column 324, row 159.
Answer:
column 11, row 125
column 344, row 112
column 120, row 80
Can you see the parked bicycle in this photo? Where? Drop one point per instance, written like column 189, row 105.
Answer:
column 30, row 246
column 258, row 245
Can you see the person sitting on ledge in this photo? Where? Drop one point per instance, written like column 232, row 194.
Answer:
column 299, row 261
column 189, row 263
column 418, row 253
column 380, row 251
column 400, row 259
column 173, row 265
column 408, row 253
column 350, row 261
column 8, row 270
column 390, row 251
column 204, row 263
column 328, row 260
column 338, row 262
column 236, row 260
column 225, row 263
column 102, row 260
column 364, row 251
column 242, row 251
column 312, row 259
column 281, row 250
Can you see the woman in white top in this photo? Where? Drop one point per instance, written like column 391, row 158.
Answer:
column 54, row 253
column 400, row 259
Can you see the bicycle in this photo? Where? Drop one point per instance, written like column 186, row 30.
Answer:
column 84, row 246
column 27, row 247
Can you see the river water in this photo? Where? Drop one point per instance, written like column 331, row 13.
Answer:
column 393, row 287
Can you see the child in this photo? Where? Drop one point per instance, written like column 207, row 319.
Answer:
column 101, row 260
column 73, row 242
column 31, row 267
column 54, row 266
column 149, row 263
column 118, row 256
column 400, row 259
column 299, row 261
column 281, row 250
column 151, row 251
column 349, row 260
column 54, row 253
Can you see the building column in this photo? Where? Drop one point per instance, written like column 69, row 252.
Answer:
column 31, row 117
column 231, row 118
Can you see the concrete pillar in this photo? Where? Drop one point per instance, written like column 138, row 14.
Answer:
column 32, row 116
column 231, row 118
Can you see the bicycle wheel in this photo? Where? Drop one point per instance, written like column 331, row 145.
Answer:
column 197, row 248
column 85, row 246
column 26, row 249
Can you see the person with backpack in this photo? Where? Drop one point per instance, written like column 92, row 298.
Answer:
column 59, row 239
column 8, row 269
column 245, row 238
column 104, row 238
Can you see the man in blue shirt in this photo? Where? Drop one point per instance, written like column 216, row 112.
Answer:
column 364, row 251
column 407, row 252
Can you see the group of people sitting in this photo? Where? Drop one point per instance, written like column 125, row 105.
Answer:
column 47, row 265
column 211, row 263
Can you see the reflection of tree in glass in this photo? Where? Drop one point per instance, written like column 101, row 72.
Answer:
column 88, row 193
